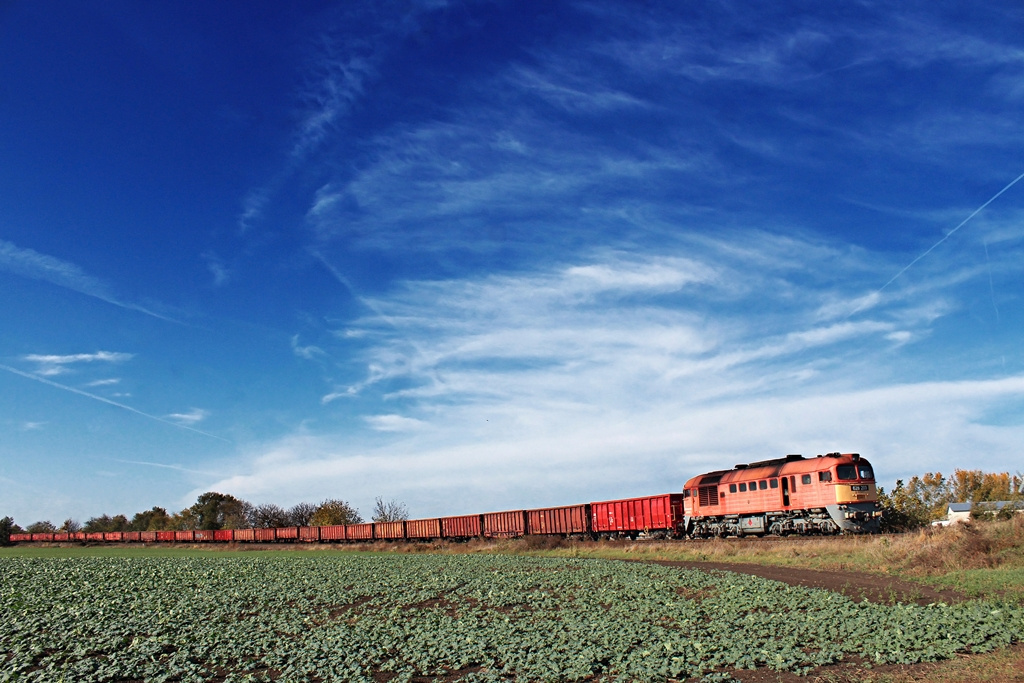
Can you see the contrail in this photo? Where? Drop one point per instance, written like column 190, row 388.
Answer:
column 177, row 468
column 947, row 236
column 51, row 383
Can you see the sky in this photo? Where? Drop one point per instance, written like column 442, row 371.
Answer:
column 489, row 255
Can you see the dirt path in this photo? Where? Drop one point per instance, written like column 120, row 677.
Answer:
column 857, row 585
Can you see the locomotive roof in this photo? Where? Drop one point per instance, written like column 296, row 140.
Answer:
column 769, row 468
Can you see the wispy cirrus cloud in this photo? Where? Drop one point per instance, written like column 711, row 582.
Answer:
column 344, row 57
column 308, row 352
column 219, row 271
column 192, row 417
column 542, row 387
column 79, row 392
column 37, row 266
column 49, row 365
column 110, row 381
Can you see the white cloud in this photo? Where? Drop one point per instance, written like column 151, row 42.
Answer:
column 104, row 382
column 215, row 264
column 192, row 417
column 393, row 423
column 309, row 352
column 51, row 364
column 624, row 374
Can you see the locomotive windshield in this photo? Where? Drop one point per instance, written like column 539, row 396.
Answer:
column 850, row 472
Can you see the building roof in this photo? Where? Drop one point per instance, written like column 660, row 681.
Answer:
column 985, row 504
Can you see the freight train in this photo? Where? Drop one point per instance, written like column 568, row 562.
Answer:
column 828, row 494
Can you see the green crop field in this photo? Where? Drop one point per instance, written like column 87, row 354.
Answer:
column 358, row 617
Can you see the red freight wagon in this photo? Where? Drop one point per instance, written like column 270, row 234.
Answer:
column 651, row 514
column 389, row 530
column 567, row 520
column 62, row 537
column 464, row 526
column 265, row 534
column 78, row 536
column 504, row 524
column 423, row 528
column 20, row 538
column 288, row 533
column 113, row 535
column 48, row 537
column 164, row 536
column 90, row 536
column 204, row 535
column 147, row 536
column 224, row 535
column 245, row 534
column 359, row 532
column 185, row 536
column 309, row 533
column 334, row 532
column 133, row 536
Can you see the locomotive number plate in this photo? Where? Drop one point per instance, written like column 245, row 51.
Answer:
column 859, row 487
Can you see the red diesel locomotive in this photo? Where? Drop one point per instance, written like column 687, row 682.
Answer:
column 829, row 494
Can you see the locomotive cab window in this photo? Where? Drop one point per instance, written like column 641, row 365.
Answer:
column 824, row 476
column 865, row 472
column 846, row 472
column 805, row 479
column 732, row 488
column 774, row 483
column 762, row 485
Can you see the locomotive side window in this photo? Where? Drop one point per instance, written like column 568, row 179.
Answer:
column 762, row 485
column 824, row 476
column 846, row 472
column 743, row 488
column 805, row 479
column 732, row 488
column 792, row 483
column 774, row 483
column 865, row 472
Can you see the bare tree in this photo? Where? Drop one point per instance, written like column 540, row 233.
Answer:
column 269, row 516
column 70, row 526
column 389, row 511
column 333, row 511
column 300, row 514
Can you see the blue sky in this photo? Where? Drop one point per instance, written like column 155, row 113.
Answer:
column 486, row 255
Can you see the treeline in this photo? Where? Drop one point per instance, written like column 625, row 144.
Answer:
column 214, row 510
column 926, row 499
